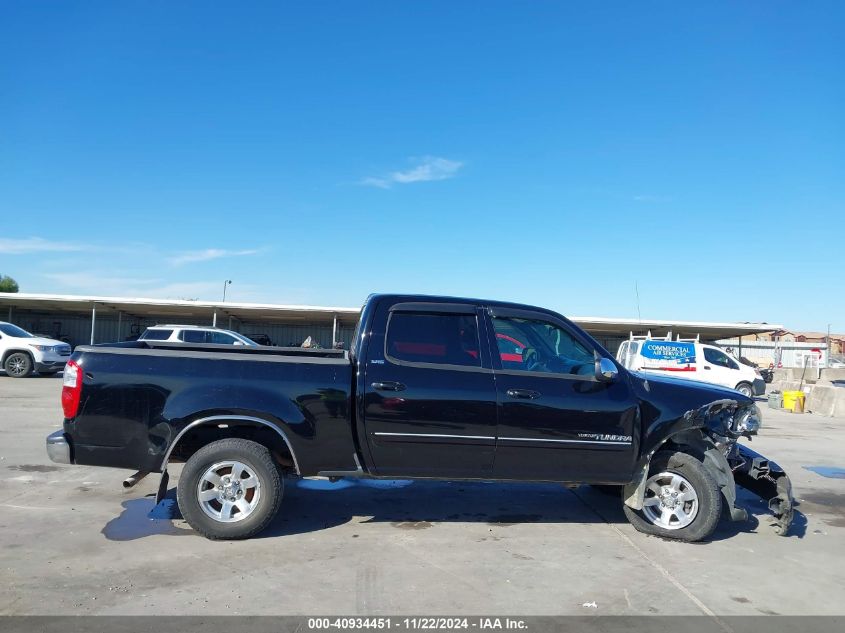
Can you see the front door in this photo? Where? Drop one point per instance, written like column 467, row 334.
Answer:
column 557, row 422
column 720, row 369
column 430, row 401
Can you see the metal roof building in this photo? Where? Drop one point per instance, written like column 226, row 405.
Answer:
column 87, row 319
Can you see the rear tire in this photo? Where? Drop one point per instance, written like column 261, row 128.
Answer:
column 230, row 489
column 682, row 500
column 745, row 389
column 18, row 365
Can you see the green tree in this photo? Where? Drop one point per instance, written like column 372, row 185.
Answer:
column 7, row 284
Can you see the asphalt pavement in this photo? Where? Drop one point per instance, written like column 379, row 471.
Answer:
column 73, row 541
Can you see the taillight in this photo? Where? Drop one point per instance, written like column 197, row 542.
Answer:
column 71, row 389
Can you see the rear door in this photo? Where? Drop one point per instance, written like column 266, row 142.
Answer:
column 557, row 422
column 430, row 400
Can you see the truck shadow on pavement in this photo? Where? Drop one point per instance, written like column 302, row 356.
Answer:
column 312, row 505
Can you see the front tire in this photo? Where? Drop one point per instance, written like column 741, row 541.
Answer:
column 745, row 389
column 18, row 365
column 230, row 489
column 682, row 500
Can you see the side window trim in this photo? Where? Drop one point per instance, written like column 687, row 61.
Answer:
column 432, row 309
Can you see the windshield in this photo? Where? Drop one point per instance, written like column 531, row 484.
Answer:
column 14, row 331
column 246, row 341
column 151, row 334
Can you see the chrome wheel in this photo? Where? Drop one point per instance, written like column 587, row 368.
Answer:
column 17, row 365
column 670, row 501
column 229, row 491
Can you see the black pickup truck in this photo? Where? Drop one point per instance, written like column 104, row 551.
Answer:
column 433, row 387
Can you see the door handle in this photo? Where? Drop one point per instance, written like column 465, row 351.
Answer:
column 388, row 386
column 707, row 367
column 523, row 394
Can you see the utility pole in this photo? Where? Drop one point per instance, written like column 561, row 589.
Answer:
column 827, row 360
column 226, row 283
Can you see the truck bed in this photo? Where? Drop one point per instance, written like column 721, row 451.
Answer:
column 139, row 396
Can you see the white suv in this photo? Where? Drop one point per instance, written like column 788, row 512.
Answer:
column 22, row 353
column 194, row 334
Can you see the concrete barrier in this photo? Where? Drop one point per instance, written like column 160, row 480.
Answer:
column 794, row 373
column 789, row 385
column 829, row 374
column 825, row 399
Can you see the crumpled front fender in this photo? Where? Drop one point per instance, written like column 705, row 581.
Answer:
column 699, row 444
column 766, row 479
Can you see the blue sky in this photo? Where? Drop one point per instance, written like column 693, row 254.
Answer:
column 557, row 153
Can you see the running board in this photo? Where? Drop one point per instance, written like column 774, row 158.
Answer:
column 358, row 473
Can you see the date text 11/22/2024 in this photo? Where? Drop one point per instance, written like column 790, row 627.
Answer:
column 416, row 623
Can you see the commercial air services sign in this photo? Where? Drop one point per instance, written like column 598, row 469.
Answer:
column 669, row 356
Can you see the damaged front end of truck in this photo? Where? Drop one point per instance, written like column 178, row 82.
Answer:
column 728, row 421
column 768, row 481
column 712, row 432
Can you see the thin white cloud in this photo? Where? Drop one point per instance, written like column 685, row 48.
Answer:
column 427, row 169
column 23, row 246
column 190, row 257
column 128, row 286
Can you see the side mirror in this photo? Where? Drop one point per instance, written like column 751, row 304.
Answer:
column 606, row 370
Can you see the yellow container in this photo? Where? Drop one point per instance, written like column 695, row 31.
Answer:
column 793, row 401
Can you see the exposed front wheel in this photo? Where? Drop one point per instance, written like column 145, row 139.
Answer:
column 745, row 389
column 230, row 489
column 682, row 501
column 18, row 365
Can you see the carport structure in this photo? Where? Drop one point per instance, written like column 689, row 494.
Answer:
column 92, row 319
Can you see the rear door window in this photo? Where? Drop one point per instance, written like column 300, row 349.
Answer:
column 193, row 336
column 445, row 339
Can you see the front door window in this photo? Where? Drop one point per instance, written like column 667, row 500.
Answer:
column 539, row 346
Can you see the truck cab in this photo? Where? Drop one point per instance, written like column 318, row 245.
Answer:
column 440, row 396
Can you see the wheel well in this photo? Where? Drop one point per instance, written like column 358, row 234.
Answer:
column 691, row 441
column 691, row 445
column 742, row 382
column 218, row 429
column 9, row 352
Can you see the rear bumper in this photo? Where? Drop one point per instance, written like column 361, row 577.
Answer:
column 766, row 479
column 759, row 387
column 58, row 448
